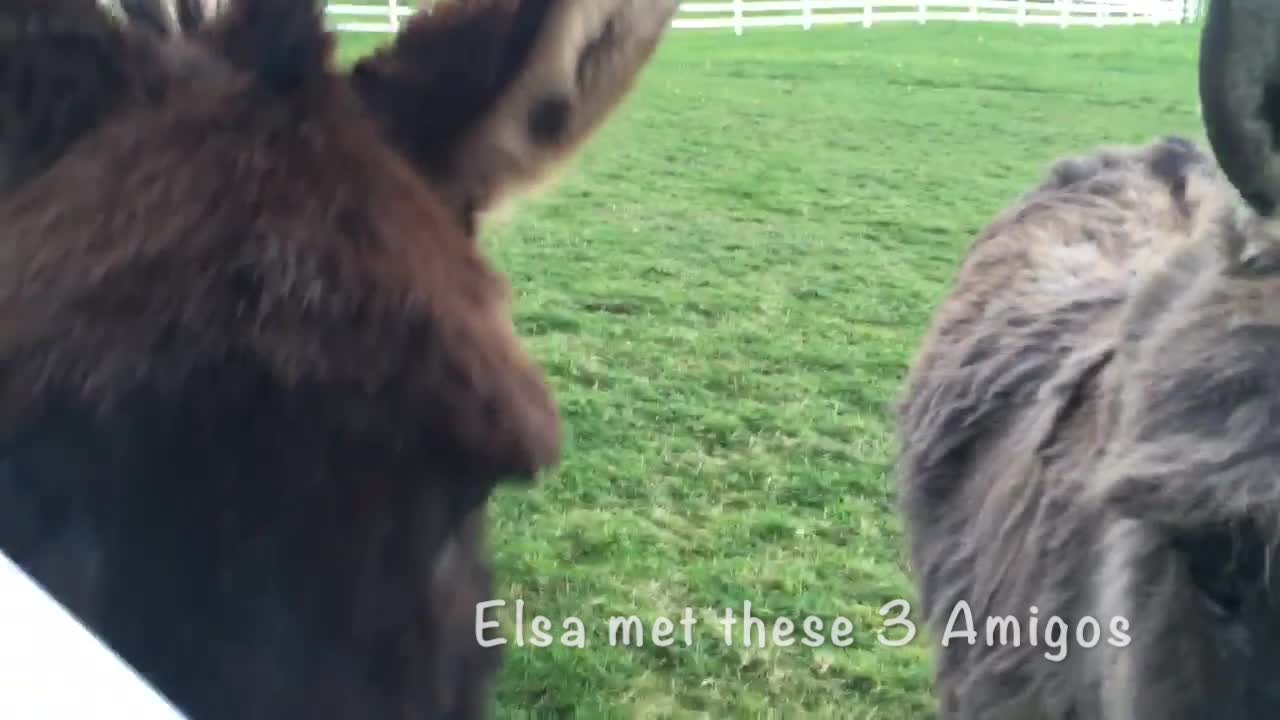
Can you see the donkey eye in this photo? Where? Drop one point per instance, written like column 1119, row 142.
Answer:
column 1222, row 564
column 1222, row 599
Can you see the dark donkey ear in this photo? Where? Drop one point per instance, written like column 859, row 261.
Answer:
column 1240, row 96
column 489, row 96
column 193, row 14
column 281, row 44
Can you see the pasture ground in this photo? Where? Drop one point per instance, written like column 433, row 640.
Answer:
column 726, row 290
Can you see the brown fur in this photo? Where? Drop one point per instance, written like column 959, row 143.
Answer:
column 63, row 68
column 257, row 380
column 67, row 66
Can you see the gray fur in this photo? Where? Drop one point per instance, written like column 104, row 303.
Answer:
column 1092, row 426
column 1095, row 365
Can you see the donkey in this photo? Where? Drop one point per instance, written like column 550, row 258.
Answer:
column 1087, row 438
column 257, row 380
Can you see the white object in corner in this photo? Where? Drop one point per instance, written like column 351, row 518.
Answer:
column 53, row 668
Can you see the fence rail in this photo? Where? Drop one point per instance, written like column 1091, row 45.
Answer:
column 741, row 14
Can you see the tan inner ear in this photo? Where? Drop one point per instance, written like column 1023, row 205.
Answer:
column 582, row 65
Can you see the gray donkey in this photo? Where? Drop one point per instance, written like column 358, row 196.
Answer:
column 1090, row 434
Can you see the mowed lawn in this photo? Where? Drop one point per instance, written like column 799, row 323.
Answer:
column 726, row 289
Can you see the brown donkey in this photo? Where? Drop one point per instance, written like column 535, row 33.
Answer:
column 257, row 380
column 1089, row 435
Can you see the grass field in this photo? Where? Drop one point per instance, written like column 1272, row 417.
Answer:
column 726, row 290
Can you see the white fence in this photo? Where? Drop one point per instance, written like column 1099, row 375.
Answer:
column 742, row 14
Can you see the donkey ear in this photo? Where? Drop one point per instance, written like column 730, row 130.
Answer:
column 1240, row 96
column 581, row 66
column 487, row 96
column 191, row 15
column 281, row 44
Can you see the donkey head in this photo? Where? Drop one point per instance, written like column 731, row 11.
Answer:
column 1191, row 468
column 249, row 283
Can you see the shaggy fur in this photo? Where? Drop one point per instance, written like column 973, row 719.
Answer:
column 67, row 66
column 1089, row 430
column 998, row 423
column 256, row 379
column 63, row 68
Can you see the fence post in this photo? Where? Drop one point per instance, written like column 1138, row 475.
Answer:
column 922, row 12
column 866, row 13
column 1064, row 12
column 1097, row 15
column 1022, row 12
column 806, row 8
column 973, row 9
column 393, row 8
column 737, row 17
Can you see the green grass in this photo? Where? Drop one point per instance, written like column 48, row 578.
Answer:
column 726, row 290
